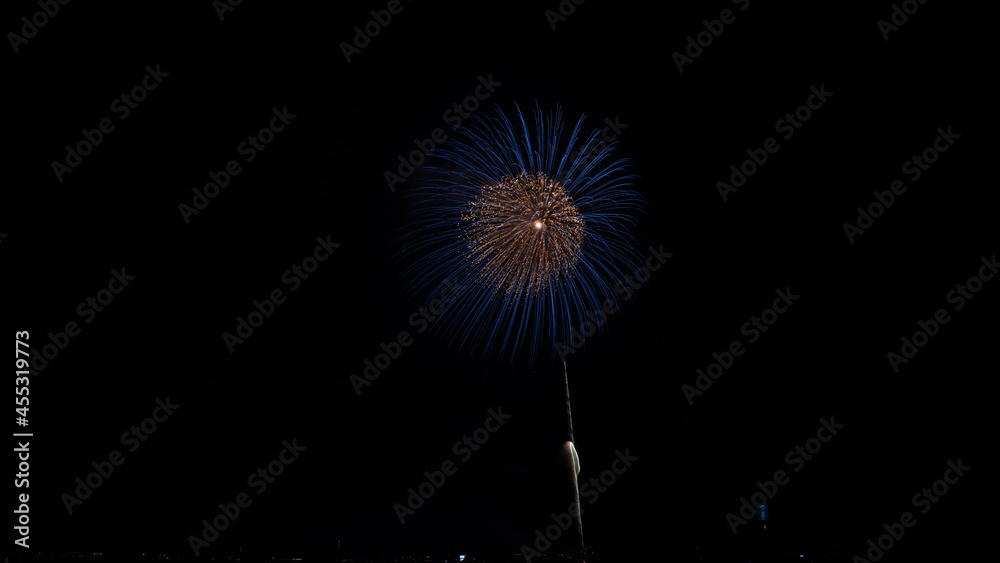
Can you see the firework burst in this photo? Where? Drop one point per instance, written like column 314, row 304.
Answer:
column 531, row 224
column 524, row 233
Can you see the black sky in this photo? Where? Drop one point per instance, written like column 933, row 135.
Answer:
column 323, row 177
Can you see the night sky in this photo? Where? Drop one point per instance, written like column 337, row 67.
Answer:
column 318, row 190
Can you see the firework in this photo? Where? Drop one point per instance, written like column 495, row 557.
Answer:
column 523, row 234
column 533, row 224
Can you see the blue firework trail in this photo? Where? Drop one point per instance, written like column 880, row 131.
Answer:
column 529, row 228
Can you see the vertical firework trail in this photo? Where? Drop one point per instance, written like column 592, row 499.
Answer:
column 572, row 464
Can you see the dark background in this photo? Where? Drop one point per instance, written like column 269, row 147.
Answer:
column 323, row 176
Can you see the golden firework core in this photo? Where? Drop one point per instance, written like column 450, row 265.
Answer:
column 524, row 233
